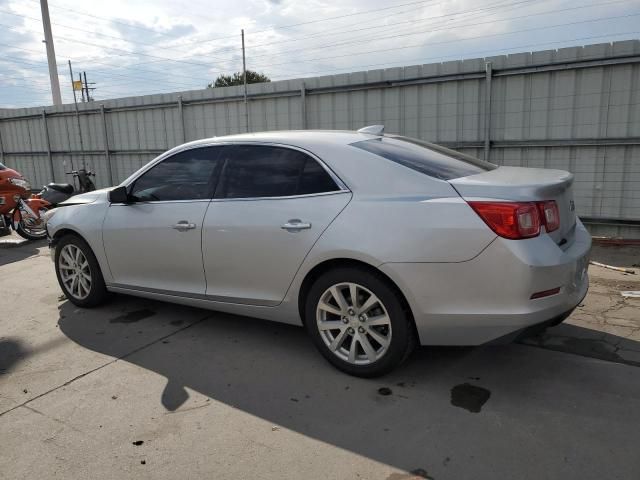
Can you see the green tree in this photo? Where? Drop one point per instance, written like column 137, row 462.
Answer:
column 237, row 79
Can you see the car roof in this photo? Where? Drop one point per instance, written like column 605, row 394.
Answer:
column 291, row 137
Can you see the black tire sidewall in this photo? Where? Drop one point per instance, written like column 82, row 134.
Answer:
column 23, row 233
column 402, row 329
column 98, row 291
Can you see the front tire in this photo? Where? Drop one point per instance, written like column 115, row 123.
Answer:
column 35, row 231
column 357, row 321
column 78, row 272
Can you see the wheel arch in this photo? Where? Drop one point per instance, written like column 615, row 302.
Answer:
column 331, row 264
column 67, row 231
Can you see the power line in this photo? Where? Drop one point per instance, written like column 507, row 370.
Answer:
column 422, row 31
column 446, row 42
column 429, row 19
column 463, row 56
column 113, row 20
column 93, row 32
column 279, row 27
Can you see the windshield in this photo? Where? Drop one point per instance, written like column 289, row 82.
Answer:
column 2, row 167
column 424, row 157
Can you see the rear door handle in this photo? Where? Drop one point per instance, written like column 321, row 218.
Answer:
column 295, row 224
column 183, row 226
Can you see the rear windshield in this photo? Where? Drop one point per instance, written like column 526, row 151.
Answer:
column 424, row 157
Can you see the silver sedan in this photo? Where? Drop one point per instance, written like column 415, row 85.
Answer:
column 374, row 243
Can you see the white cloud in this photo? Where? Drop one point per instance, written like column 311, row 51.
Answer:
column 132, row 48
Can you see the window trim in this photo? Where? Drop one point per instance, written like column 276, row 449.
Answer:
column 342, row 187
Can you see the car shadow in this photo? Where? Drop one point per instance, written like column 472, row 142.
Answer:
column 415, row 418
column 587, row 342
column 11, row 254
column 11, row 353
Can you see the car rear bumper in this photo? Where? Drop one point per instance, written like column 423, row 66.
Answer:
column 489, row 297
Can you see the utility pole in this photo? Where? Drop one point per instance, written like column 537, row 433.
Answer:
column 75, row 102
column 51, row 54
column 86, row 86
column 244, row 79
column 81, row 87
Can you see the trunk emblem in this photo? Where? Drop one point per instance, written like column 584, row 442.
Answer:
column 572, row 205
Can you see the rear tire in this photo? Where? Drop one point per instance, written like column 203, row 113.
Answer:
column 79, row 273
column 367, row 337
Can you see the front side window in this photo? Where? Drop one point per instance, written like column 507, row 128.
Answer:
column 433, row 160
column 253, row 171
column 187, row 175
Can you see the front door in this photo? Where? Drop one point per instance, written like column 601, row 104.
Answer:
column 270, row 207
column 154, row 243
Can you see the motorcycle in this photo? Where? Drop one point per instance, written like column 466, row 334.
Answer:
column 17, row 208
column 23, row 212
column 55, row 193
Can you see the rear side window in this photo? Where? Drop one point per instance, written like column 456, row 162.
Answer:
column 424, row 157
column 187, row 175
column 253, row 171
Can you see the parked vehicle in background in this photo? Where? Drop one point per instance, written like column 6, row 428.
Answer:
column 23, row 211
column 373, row 242
column 17, row 207
column 56, row 193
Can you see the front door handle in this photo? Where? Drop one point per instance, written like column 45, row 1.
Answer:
column 183, row 226
column 295, row 224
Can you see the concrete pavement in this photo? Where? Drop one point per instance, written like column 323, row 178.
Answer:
column 143, row 389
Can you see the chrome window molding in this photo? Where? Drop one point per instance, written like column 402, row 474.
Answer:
column 239, row 199
column 288, row 197
column 199, row 200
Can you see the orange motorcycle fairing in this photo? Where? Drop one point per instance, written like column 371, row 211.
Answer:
column 31, row 207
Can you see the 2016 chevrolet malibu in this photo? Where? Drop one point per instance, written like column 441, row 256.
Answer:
column 373, row 242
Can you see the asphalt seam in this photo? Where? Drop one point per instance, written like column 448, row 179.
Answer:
column 89, row 372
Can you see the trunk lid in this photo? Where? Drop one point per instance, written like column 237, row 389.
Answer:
column 519, row 184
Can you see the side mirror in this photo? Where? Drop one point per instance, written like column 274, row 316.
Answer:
column 119, row 195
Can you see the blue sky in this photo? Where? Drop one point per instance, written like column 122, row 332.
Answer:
column 143, row 47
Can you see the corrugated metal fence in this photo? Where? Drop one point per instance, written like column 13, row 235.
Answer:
column 576, row 109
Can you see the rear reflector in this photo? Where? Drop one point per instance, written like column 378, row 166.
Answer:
column 513, row 220
column 545, row 293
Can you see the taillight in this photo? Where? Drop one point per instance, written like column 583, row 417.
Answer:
column 550, row 215
column 518, row 220
column 513, row 220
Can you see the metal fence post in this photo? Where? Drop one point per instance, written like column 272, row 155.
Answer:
column 487, row 111
column 107, row 155
column 48, row 141
column 181, row 115
column 1, row 147
column 303, row 105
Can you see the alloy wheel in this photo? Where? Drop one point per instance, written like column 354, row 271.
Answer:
column 34, row 227
column 353, row 323
column 75, row 271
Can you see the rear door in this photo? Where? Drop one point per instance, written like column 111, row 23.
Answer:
column 270, row 207
column 155, row 242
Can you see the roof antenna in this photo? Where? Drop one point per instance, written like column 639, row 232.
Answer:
column 373, row 130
